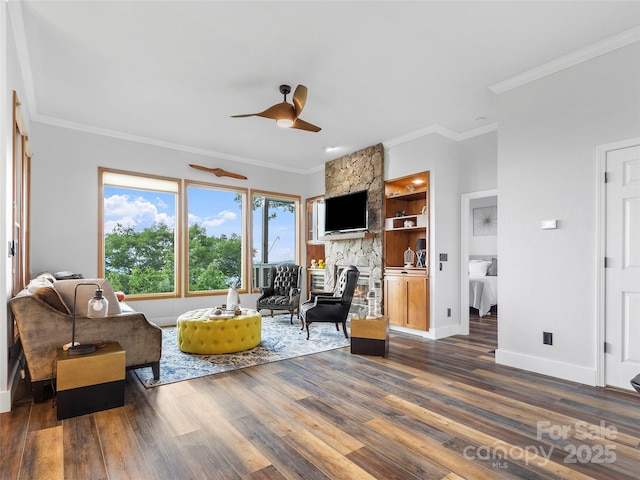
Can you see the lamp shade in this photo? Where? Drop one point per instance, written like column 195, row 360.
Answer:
column 98, row 305
column 421, row 244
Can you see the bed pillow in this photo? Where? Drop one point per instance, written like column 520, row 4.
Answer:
column 493, row 268
column 478, row 268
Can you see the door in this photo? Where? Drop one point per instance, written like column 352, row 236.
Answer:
column 395, row 299
column 417, row 296
column 622, row 272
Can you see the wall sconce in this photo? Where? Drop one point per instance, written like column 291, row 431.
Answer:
column 421, row 252
column 96, row 308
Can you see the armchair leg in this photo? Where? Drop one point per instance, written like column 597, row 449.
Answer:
column 344, row 329
column 337, row 327
column 155, row 368
column 291, row 319
column 307, row 330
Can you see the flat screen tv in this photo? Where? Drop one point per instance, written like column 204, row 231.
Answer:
column 346, row 213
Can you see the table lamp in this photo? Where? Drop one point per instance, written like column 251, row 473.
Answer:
column 96, row 308
column 421, row 251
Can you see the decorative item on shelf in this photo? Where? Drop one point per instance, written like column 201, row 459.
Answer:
column 409, row 188
column 408, row 223
column 421, row 252
column 400, row 213
column 96, row 308
column 321, row 263
column 424, row 210
column 314, row 263
column 409, row 257
column 233, row 298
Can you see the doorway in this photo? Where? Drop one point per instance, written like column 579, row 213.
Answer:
column 466, row 232
column 617, row 348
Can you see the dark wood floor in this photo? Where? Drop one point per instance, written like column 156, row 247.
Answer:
column 431, row 410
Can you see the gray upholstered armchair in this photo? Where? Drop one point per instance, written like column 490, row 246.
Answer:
column 332, row 307
column 283, row 292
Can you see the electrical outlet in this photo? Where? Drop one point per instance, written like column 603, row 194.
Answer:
column 448, row 312
column 547, row 338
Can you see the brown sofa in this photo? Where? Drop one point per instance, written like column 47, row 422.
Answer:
column 43, row 313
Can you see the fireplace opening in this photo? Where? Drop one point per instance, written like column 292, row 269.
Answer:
column 362, row 288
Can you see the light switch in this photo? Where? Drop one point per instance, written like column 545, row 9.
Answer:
column 549, row 224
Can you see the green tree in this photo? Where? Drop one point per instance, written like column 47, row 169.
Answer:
column 141, row 262
column 214, row 262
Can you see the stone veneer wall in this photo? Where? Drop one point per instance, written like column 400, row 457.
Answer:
column 358, row 171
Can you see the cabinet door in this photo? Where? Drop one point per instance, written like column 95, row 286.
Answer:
column 395, row 300
column 417, row 301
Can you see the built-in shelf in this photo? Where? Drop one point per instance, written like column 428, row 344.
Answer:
column 347, row 236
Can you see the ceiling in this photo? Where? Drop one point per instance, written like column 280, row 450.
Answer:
column 172, row 73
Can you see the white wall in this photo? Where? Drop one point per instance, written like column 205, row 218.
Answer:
column 549, row 131
column 64, row 205
column 479, row 163
column 439, row 155
column 10, row 80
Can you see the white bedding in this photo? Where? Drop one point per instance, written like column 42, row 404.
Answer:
column 483, row 293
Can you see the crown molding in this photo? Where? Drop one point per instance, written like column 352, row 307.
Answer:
column 443, row 132
column 582, row 55
column 105, row 132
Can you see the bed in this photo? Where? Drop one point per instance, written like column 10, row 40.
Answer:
column 483, row 284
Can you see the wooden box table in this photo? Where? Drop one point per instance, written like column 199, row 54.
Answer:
column 370, row 336
column 90, row 383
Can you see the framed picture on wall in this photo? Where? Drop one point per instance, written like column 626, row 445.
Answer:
column 485, row 221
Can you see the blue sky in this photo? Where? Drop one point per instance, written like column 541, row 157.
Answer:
column 215, row 209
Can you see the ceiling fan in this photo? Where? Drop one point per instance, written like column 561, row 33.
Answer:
column 285, row 114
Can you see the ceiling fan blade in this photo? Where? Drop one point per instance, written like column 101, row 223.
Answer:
column 302, row 125
column 299, row 98
column 218, row 172
column 279, row 110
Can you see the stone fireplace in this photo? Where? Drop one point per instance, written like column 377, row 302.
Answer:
column 358, row 171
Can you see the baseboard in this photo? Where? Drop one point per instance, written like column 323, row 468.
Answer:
column 410, row 331
column 552, row 368
column 6, row 396
column 164, row 321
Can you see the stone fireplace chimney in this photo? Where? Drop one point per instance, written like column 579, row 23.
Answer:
column 362, row 170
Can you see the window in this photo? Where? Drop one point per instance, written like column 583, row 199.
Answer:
column 275, row 224
column 139, row 240
column 216, row 225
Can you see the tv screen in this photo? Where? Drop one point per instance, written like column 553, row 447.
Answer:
column 346, row 213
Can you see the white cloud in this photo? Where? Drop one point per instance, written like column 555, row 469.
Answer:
column 137, row 212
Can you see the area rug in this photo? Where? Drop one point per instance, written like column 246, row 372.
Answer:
column 280, row 340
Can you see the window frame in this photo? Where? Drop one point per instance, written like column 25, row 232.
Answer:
column 245, row 259
column 298, row 227
column 178, row 248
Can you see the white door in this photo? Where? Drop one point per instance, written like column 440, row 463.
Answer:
column 622, row 272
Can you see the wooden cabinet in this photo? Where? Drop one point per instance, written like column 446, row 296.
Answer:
column 406, row 284
column 406, row 299
column 315, row 246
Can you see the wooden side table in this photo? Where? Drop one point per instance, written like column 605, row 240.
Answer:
column 370, row 336
column 90, row 383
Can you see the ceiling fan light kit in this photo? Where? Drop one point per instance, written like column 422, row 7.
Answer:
column 285, row 114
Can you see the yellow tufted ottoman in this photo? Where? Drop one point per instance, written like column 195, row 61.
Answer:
column 200, row 331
